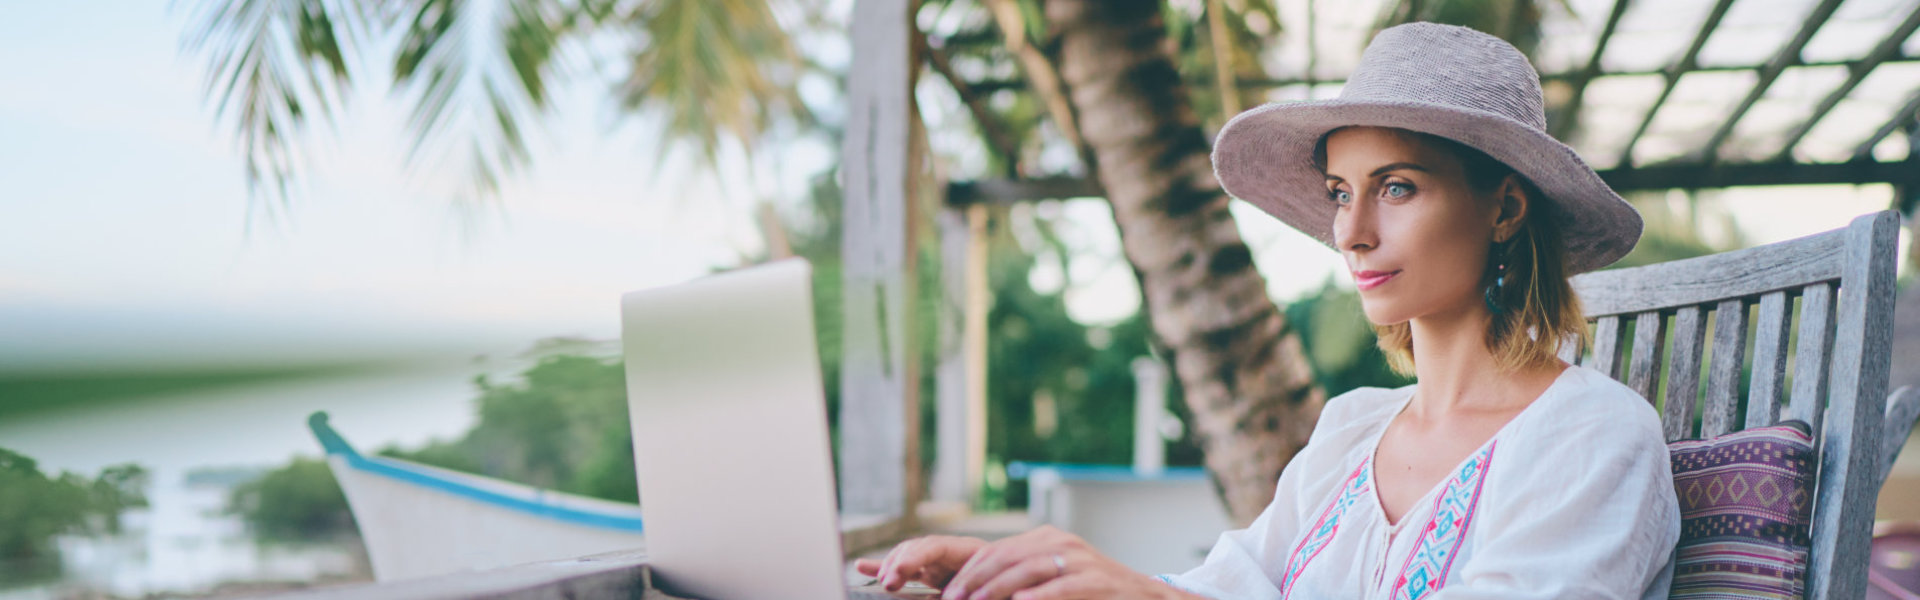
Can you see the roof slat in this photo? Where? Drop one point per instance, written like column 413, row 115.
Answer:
column 1680, row 67
column 1788, row 56
column 1905, row 116
column 1567, row 117
column 1888, row 48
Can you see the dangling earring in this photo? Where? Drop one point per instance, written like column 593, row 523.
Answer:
column 1498, row 288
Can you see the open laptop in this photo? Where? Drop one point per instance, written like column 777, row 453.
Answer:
column 730, row 437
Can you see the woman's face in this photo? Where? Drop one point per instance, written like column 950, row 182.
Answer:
column 1407, row 210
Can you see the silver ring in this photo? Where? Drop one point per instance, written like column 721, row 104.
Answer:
column 1060, row 565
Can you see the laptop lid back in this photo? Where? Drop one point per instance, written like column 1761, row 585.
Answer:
column 730, row 436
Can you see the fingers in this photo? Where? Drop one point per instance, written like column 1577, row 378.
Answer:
column 990, row 561
column 1027, row 573
column 900, row 565
column 931, row 560
column 1070, row 587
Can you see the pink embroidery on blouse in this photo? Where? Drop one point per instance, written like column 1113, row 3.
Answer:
column 1316, row 539
column 1426, row 568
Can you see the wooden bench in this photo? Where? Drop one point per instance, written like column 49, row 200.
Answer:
column 1843, row 281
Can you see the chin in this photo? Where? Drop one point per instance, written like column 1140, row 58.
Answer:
column 1382, row 316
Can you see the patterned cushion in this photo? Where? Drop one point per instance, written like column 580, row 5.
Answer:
column 1746, row 503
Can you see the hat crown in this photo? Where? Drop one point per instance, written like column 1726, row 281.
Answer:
column 1449, row 65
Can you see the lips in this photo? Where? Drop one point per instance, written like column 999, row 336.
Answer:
column 1366, row 280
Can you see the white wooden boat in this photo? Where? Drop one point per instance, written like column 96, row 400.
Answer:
column 419, row 521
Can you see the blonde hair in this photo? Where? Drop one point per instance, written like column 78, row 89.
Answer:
column 1543, row 315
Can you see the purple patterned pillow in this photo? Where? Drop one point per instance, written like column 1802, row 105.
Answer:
column 1746, row 504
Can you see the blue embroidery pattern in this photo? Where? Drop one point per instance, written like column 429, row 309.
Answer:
column 1323, row 529
column 1426, row 568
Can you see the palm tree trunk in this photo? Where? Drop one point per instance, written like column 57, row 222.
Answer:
column 1246, row 377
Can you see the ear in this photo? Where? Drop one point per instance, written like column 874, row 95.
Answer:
column 1514, row 203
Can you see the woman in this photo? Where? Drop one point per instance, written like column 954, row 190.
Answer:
column 1504, row 472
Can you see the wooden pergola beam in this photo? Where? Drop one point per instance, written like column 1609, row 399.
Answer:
column 1788, row 55
column 1687, row 62
column 1889, row 47
column 1905, row 117
column 1041, row 76
column 1694, row 176
column 1007, row 191
column 996, row 133
column 1198, row 77
column 1567, row 117
column 1683, row 176
column 967, row 38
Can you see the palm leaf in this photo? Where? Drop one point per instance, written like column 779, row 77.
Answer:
column 476, row 73
column 714, row 68
column 273, row 64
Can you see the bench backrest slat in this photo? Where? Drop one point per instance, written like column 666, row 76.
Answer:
column 1769, row 359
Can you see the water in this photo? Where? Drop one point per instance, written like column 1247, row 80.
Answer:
column 183, row 543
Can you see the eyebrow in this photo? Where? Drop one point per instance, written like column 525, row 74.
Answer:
column 1386, row 169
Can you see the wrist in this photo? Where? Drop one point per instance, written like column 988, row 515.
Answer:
column 1165, row 590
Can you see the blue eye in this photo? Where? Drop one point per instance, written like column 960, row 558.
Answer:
column 1339, row 196
column 1398, row 190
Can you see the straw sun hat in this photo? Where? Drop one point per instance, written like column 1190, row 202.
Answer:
column 1443, row 80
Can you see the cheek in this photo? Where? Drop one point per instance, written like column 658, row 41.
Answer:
column 1445, row 257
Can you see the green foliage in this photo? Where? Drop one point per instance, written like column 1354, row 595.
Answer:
column 479, row 75
column 35, row 507
column 1339, row 341
column 562, row 425
column 1678, row 226
column 298, row 501
column 27, row 392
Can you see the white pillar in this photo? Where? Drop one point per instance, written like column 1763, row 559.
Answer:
column 1150, row 399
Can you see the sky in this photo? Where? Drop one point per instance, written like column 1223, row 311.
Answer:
column 125, row 229
column 126, row 235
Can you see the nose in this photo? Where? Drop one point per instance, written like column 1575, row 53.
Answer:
column 1355, row 227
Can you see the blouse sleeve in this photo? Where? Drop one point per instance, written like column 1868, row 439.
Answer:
column 1241, row 565
column 1586, row 509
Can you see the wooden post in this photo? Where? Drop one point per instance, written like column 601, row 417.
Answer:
column 950, row 375
column 960, row 384
column 979, row 301
column 877, row 377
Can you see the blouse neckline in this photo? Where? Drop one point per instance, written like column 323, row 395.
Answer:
column 1373, row 452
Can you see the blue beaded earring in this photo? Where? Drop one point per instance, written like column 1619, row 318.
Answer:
column 1498, row 288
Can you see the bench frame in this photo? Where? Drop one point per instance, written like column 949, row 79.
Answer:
column 1844, row 282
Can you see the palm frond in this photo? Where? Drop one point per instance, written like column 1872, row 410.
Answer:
column 480, row 72
column 714, row 68
column 274, row 64
column 1192, row 36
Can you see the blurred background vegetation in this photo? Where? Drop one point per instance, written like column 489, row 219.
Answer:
column 36, row 506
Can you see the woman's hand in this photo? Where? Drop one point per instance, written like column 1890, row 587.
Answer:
column 932, row 560
column 1048, row 564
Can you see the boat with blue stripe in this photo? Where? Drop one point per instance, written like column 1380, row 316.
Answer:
column 419, row 520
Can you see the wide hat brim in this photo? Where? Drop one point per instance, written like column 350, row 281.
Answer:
column 1265, row 157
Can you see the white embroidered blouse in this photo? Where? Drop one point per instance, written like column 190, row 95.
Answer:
column 1572, row 498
